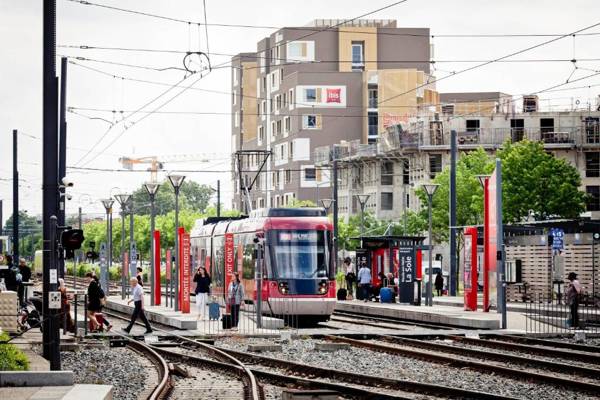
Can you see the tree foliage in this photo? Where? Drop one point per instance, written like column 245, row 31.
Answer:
column 535, row 180
column 192, row 196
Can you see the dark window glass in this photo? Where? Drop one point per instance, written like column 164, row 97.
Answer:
column 387, row 201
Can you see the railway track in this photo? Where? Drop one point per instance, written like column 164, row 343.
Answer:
column 458, row 357
column 251, row 388
column 546, row 343
column 163, row 387
column 385, row 322
column 347, row 384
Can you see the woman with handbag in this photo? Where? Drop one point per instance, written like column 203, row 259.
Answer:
column 235, row 298
column 202, row 291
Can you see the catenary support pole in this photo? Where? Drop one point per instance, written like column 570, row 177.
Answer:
column 218, row 198
column 335, row 210
column 15, row 218
column 453, row 261
column 62, row 153
column 50, row 183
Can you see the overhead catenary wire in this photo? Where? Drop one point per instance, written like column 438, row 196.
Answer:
column 308, row 28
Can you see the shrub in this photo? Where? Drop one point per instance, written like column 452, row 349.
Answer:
column 11, row 358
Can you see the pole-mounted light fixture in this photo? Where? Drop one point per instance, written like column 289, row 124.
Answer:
column 176, row 181
column 152, row 188
column 107, row 203
column 430, row 188
column 123, row 199
column 482, row 179
column 327, row 203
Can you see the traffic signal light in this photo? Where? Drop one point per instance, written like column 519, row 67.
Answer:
column 71, row 239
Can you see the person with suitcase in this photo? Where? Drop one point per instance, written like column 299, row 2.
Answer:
column 202, row 291
column 235, row 296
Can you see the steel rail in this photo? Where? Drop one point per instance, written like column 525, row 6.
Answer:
column 475, row 365
column 363, row 379
column 576, row 355
column 286, row 379
column 502, row 357
column 547, row 342
column 164, row 385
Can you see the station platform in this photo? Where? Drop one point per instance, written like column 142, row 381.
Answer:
column 437, row 314
column 458, row 301
column 192, row 324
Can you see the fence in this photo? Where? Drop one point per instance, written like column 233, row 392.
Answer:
column 549, row 315
column 219, row 318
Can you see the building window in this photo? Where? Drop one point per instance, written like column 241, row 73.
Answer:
column 284, row 95
column 288, row 176
column 310, row 174
column 292, row 150
column 593, row 203
column 405, row 172
column 592, row 165
column 277, row 102
column 373, row 121
column 236, row 119
column 273, row 129
column 592, row 130
column 310, row 95
column 473, row 125
column 373, row 94
column 292, row 100
column 435, row 165
column 311, row 121
column 264, row 83
column 517, row 129
column 235, row 76
column 358, row 58
column 233, row 97
column 546, row 125
column 261, row 133
column 387, row 173
column 278, row 125
column 264, row 107
column 281, row 76
column 387, row 201
column 287, row 124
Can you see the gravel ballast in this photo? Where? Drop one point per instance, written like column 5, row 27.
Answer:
column 119, row 367
column 359, row 360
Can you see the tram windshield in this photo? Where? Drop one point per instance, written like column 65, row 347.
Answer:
column 300, row 254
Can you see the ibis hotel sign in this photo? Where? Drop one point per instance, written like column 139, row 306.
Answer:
column 322, row 96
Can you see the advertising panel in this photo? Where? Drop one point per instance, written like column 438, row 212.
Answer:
column 490, row 288
column 407, row 274
column 184, row 271
column 322, row 96
column 156, row 266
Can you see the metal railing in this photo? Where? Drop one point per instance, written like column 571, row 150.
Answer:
column 548, row 315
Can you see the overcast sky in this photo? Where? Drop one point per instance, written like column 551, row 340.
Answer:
column 173, row 134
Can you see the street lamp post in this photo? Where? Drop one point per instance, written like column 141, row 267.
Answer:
column 430, row 189
column 362, row 200
column 107, row 203
column 327, row 203
column 176, row 182
column 123, row 200
column 152, row 188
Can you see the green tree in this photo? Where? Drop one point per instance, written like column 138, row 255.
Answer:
column 469, row 195
column 295, row 203
column 535, row 180
column 192, row 196
column 30, row 230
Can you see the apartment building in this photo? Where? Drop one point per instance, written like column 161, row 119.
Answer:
column 408, row 155
column 310, row 87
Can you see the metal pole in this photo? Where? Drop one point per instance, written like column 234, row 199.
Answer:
column 50, row 180
column 152, row 288
column 62, row 153
column 430, row 272
column 176, row 277
column 123, row 272
column 593, row 267
column 15, row 219
column 453, row 261
column 335, row 210
column 259, row 278
column 110, row 248
column 405, row 206
column 131, row 260
column 218, row 198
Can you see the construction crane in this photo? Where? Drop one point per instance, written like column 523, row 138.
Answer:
column 157, row 162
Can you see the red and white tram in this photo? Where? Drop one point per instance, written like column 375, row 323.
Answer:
column 298, row 264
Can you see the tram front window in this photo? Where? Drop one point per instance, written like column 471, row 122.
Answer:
column 300, row 254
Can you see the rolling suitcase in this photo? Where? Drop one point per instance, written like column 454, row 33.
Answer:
column 100, row 319
column 214, row 311
column 227, row 321
column 386, row 295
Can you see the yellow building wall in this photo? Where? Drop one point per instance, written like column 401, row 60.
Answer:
column 347, row 35
column 249, row 103
column 397, row 97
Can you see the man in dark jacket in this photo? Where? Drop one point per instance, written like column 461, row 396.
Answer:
column 9, row 275
column 25, row 272
column 439, row 283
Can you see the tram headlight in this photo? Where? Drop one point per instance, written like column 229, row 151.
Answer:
column 284, row 288
column 323, row 287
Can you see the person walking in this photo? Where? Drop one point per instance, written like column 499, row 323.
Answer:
column 140, row 276
column 202, row 291
column 364, row 280
column 94, row 294
column 350, row 275
column 573, row 293
column 66, row 320
column 25, row 272
column 439, row 283
column 102, row 295
column 9, row 275
column 137, row 294
column 235, row 296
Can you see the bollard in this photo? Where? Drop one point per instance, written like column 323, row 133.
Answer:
column 75, row 303
column 85, row 319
